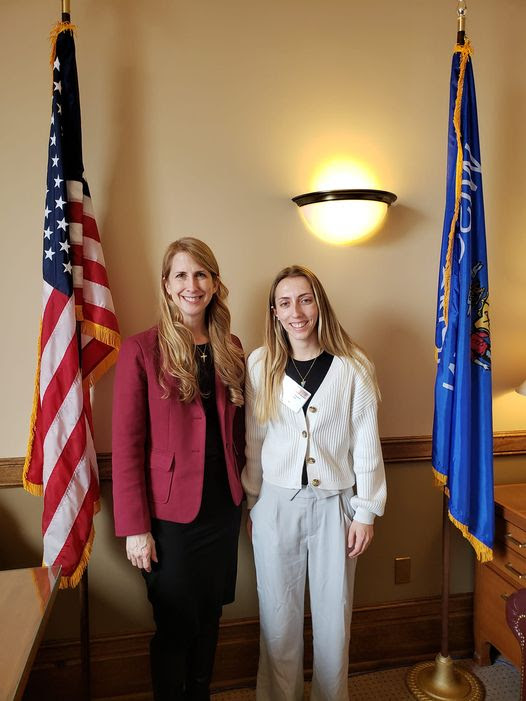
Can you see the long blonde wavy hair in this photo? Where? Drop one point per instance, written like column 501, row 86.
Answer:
column 332, row 338
column 176, row 342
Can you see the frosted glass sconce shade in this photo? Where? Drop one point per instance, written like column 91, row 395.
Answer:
column 344, row 216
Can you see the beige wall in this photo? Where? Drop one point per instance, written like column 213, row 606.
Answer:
column 205, row 118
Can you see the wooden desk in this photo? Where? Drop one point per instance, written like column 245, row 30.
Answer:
column 506, row 573
column 26, row 599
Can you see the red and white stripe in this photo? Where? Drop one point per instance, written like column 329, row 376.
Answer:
column 69, row 499
column 63, row 458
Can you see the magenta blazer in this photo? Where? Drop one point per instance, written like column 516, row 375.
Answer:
column 159, row 444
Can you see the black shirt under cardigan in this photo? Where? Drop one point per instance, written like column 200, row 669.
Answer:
column 313, row 379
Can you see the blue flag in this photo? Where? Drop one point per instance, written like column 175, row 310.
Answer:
column 462, row 428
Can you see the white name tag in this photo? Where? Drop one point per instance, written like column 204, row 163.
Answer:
column 293, row 395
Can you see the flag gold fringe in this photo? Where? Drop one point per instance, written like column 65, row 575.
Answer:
column 101, row 368
column 483, row 553
column 440, row 479
column 465, row 50
column 73, row 579
column 35, row 489
column 102, row 334
column 53, row 36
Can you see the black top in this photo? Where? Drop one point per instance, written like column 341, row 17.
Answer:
column 215, row 486
column 313, row 374
column 207, row 387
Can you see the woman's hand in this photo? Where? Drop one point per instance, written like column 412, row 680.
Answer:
column 140, row 550
column 359, row 538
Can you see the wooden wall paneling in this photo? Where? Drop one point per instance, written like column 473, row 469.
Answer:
column 397, row 633
column 402, row 449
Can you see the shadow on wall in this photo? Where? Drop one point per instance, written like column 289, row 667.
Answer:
column 395, row 345
column 126, row 221
column 18, row 550
column 118, row 601
column 399, row 223
column 505, row 214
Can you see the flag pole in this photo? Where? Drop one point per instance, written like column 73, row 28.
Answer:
column 441, row 679
column 446, row 543
column 85, row 656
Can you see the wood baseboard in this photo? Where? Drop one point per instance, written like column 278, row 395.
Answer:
column 384, row 635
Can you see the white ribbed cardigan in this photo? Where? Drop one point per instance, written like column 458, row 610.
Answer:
column 338, row 436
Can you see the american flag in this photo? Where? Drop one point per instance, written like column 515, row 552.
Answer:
column 79, row 337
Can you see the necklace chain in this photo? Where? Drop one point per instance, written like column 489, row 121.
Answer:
column 304, row 377
column 202, row 351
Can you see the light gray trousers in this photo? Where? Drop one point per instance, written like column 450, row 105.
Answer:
column 295, row 533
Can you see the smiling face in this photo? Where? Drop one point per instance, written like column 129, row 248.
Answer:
column 191, row 287
column 295, row 307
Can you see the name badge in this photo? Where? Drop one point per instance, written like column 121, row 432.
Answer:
column 293, row 395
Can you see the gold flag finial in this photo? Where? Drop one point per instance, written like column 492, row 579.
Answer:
column 462, row 10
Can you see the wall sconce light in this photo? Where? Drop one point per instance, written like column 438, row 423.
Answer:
column 344, row 216
column 521, row 389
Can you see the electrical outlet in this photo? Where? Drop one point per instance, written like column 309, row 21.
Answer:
column 402, row 568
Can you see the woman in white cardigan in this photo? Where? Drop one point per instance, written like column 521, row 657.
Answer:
column 315, row 481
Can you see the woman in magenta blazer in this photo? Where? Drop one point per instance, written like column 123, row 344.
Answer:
column 177, row 438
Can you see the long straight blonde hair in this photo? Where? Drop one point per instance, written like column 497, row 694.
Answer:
column 176, row 343
column 332, row 338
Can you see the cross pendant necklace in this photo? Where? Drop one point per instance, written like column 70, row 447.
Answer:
column 202, row 351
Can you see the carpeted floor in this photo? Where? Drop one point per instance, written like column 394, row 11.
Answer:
column 501, row 680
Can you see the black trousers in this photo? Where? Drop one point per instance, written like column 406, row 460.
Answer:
column 194, row 577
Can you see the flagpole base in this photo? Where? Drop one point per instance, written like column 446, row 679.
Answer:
column 441, row 680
